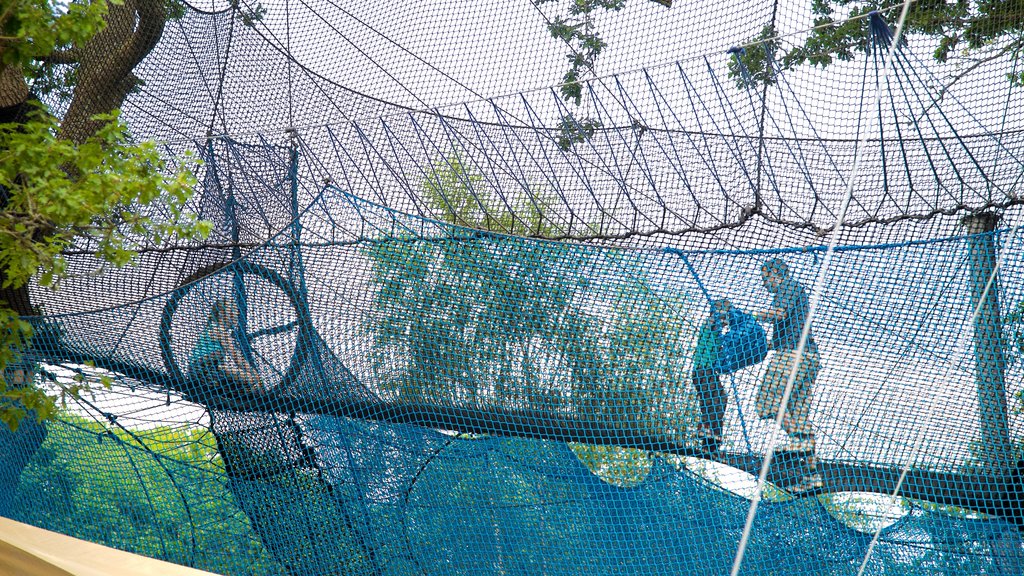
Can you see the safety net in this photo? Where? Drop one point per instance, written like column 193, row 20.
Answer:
column 716, row 312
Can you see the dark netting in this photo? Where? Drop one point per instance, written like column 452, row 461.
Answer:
column 448, row 322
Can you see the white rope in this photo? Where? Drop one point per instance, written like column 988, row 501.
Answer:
column 874, row 539
column 816, row 291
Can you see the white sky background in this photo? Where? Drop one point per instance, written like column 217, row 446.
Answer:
column 438, row 53
column 491, row 48
column 442, row 54
column 497, row 50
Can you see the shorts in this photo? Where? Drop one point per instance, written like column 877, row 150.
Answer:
column 769, row 395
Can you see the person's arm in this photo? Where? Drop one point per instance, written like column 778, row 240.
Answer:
column 770, row 314
column 783, row 304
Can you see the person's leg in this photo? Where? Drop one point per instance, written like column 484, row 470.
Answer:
column 798, row 425
column 203, row 379
column 705, row 382
column 237, row 367
column 769, row 395
column 214, row 379
column 796, row 421
column 717, row 405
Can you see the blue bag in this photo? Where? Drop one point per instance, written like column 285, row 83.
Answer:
column 745, row 343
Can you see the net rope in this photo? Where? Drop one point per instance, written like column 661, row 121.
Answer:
column 448, row 322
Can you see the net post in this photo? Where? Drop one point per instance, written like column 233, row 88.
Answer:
column 995, row 453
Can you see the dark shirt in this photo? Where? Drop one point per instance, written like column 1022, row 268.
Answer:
column 793, row 301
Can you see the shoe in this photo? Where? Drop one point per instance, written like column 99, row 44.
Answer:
column 807, row 485
column 709, row 442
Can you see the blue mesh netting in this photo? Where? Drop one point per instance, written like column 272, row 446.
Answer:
column 336, row 460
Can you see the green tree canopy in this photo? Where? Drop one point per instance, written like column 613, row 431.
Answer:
column 970, row 32
column 78, row 179
column 495, row 320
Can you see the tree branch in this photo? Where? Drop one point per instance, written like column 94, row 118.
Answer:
column 1013, row 46
column 106, row 63
column 152, row 19
column 71, row 56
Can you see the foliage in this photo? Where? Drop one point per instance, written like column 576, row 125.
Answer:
column 17, row 401
column 250, row 13
column 476, row 319
column 458, row 195
column 970, row 32
column 623, row 467
column 60, row 193
column 96, row 190
column 755, row 65
column 577, row 31
column 646, row 343
column 572, row 131
column 161, row 493
column 30, row 30
column 585, row 45
column 34, row 31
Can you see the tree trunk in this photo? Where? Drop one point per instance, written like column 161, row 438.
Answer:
column 106, row 64
column 14, row 106
column 105, row 79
